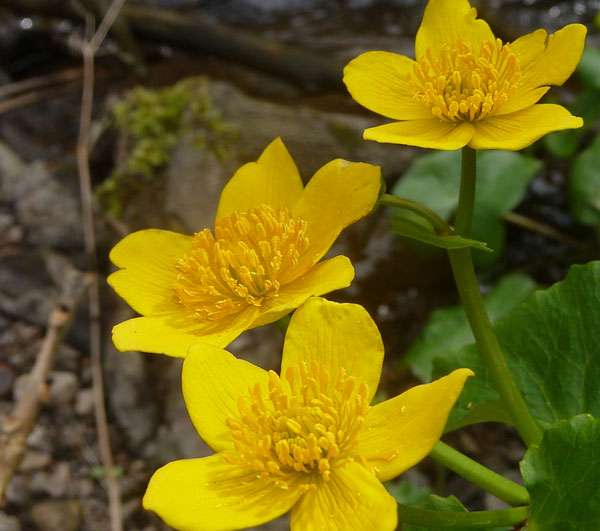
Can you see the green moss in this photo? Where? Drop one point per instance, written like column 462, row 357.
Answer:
column 152, row 121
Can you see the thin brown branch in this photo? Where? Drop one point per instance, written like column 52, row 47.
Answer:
column 34, row 95
column 36, row 82
column 18, row 425
column 546, row 230
column 89, row 49
column 121, row 32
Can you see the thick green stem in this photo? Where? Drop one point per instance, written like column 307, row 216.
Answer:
column 466, row 197
column 468, row 289
column 462, row 520
column 406, row 204
column 501, row 487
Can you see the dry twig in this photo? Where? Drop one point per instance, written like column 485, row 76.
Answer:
column 17, row 426
column 542, row 228
column 89, row 48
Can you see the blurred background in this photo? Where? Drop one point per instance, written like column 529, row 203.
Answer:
column 185, row 92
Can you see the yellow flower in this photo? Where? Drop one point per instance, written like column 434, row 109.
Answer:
column 305, row 441
column 466, row 87
column 261, row 262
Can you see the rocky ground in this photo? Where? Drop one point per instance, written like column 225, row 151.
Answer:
column 60, row 483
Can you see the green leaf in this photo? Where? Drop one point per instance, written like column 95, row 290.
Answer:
column 437, row 172
column 449, row 504
column 589, row 68
column 562, row 476
column 584, row 185
column 408, row 493
column 434, row 181
column 414, row 226
column 448, row 328
column 551, row 346
column 564, row 144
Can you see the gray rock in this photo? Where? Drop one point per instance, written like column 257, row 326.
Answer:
column 40, row 439
column 67, row 358
column 128, row 392
column 11, row 167
column 61, row 391
column 64, row 515
column 9, row 523
column 82, row 488
column 50, row 211
column 63, row 387
column 261, row 346
column 84, row 402
column 17, row 491
column 313, row 137
column 47, row 208
column 25, row 290
column 34, row 460
column 196, row 176
column 182, row 433
column 59, row 480
column 131, row 507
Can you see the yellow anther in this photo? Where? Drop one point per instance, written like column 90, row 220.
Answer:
column 251, row 255
column 464, row 84
column 299, row 425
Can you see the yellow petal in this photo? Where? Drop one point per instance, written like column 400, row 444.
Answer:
column 148, row 259
column 212, row 380
column 326, row 276
column 337, row 336
column 522, row 128
column 446, row 21
column 379, row 82
column 549, row 60
column 431, row 133
column 272, row 180
column 173, row 333
column 521, row 100
column 399, row 432
column 209, row 494
column 353, row 499
column 339, row 194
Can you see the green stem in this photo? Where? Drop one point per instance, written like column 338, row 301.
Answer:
column 468, row 289
column 501, row 487
column 462, row 520
column 406, row 204
column 466, row 197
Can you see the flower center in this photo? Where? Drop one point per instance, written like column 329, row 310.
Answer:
column 459, row 85
column 247, row 260
column 308, row 423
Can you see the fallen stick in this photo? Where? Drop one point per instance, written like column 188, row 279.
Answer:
column 19, row 423
column 89, row 47
column 303, row 68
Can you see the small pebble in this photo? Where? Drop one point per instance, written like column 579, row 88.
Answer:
column 63, row 515
column 84, row 402
column 9, row 523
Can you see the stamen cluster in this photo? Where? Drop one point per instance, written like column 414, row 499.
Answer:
column 304, row 423
column 249, row 257
column 460, row 85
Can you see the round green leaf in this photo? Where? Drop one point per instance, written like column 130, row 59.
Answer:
column 551, row 346
column 562, row 476
column 584, row 186
column 447, row 328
